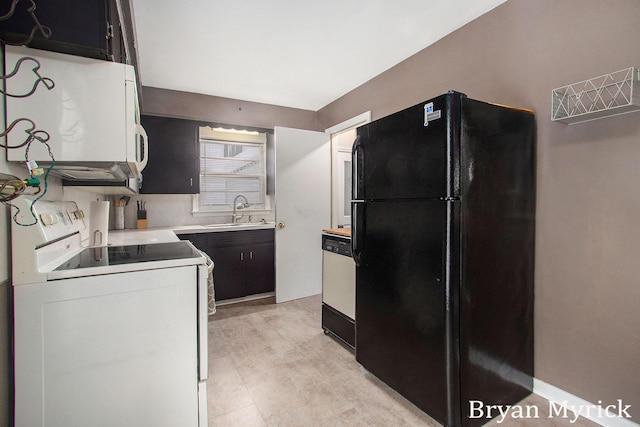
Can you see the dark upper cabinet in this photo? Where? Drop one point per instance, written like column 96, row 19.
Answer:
column 90, row 28
column 174, row 164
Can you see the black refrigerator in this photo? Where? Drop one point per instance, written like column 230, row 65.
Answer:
column 443, row 221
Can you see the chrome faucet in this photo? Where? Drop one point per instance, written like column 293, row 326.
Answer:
column 238, row 206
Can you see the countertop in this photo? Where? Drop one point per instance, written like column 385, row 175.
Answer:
column 214, row 228
column 346, row 232
column 141, row 237
column 169, row 234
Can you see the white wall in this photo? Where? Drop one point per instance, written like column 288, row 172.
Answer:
column 6, row 357
column 5, row 340
column 54, row 192
column 168, row 210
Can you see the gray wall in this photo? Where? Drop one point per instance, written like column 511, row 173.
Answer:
column 587, row 313
column 185, row 105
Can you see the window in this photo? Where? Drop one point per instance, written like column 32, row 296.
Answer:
column 231, row 164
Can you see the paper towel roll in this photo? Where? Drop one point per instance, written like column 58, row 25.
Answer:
column 98, row 223
column 118, row 218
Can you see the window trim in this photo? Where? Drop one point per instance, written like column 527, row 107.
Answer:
column 207, row 133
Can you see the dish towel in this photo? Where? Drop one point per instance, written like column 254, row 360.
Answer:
column 211, row 290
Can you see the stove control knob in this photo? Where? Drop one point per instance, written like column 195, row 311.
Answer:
column 48, row 219
column 79, row 214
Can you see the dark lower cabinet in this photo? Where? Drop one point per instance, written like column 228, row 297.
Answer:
column 260, row 272
column 229, row 274
column 244, row 261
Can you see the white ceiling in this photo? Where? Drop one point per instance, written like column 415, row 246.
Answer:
column 296, row 53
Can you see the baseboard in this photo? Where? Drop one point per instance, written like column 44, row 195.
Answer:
column 563, row 398
column 245, row 299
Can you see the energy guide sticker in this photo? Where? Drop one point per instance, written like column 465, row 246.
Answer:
column 429, row 114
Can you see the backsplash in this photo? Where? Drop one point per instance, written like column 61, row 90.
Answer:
column 168, row 210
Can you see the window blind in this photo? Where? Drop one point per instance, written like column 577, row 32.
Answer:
column 228, row 169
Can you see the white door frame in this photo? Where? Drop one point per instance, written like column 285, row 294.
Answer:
column 337, row 178
column 353, row 122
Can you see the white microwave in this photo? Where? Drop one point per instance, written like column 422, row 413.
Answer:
column 88, row 107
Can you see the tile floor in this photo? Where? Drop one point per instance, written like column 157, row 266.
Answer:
column 271, row 365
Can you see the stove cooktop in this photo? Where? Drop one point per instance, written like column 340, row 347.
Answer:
column 119, row 255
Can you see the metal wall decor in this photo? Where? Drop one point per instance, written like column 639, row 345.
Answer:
column 603, row 96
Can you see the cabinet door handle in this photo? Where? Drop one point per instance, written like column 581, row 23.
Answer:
column 251, row 255
column 241, row 256
column 191, row 182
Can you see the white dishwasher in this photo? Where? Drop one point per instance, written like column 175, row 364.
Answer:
column 338, row 289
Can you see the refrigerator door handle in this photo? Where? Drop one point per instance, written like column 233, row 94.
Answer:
column 357, row 160
column 357, row 228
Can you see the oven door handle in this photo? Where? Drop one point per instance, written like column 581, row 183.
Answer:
column 203, row 304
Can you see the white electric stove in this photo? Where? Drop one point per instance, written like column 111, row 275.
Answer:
column 105, row 336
